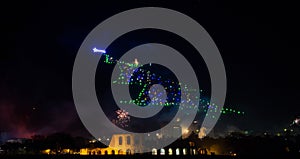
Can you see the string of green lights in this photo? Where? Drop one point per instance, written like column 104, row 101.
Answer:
column 124, row 78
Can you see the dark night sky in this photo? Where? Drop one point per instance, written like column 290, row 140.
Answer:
column 259, row 43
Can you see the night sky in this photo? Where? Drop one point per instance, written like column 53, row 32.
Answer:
column 259, row 43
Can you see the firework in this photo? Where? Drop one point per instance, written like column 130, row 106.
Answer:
column 296, row 121
column 123, row 118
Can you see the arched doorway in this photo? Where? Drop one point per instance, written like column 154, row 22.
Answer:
column 154, row 151
column 184, row 151
column 120, row 152
column 177, row 151
column 162, row 152
column 128, row 152
column 170, row 151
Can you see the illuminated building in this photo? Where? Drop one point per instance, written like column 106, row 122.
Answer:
column 120, row 144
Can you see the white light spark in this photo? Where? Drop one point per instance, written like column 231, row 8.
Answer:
column 98, row 50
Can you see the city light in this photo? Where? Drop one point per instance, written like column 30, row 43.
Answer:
column 186, row 131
